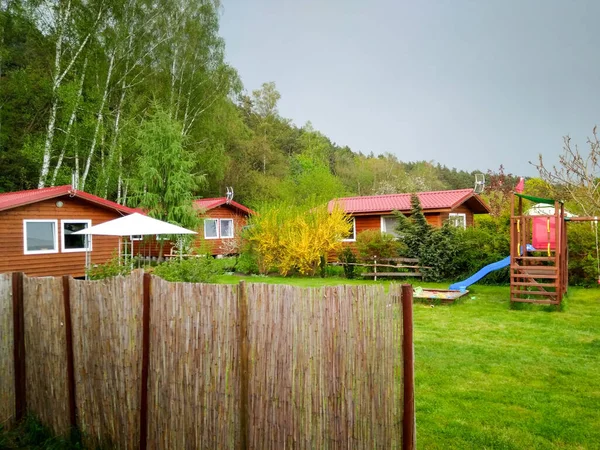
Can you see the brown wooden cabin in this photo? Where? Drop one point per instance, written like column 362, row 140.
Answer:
column 219, row 234
column 36, row 227
column 375, row 212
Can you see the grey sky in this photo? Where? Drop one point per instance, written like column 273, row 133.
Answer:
column 470, row 84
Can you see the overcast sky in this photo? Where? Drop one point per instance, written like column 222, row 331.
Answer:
column 469, row 84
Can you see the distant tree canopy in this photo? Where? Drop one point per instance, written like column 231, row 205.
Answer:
column 79, row 80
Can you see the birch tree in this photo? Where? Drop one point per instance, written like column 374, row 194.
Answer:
column 62, row 19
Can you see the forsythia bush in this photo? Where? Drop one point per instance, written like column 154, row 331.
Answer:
column 290, row 238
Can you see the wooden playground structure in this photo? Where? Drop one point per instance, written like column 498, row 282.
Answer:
column 539, row 253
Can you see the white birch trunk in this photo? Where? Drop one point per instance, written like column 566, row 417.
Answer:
column 70, row 125
column 90, row 155
column 57, row 78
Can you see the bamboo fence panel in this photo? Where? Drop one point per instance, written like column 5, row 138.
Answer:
column 193, row 376
column 46, row 352
column 7, row 366
column 107, row 351
column 323, row 368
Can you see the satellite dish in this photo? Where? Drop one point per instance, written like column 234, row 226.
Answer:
column 479, row 183
column 229, row 194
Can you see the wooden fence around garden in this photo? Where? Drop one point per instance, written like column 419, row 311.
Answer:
column 138, row 362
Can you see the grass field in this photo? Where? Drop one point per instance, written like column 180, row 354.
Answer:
column 490, row 377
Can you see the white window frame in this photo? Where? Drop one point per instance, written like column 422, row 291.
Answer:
column 40, row 252
column 136, row 237
column 464, row 216
column 162, row 237
column 232, row 229
column 353, row 239
column 384, row 228
column 62, row 236
column 217, row 228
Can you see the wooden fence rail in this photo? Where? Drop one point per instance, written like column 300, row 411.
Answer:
column 137, row 362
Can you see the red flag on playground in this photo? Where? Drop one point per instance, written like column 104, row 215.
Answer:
column 520, row 186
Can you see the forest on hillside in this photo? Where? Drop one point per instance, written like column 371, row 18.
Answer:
column 132, row 96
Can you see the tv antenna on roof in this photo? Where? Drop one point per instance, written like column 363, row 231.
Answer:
column 229, row 194
column 479, row 183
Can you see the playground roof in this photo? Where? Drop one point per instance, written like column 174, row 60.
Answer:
column 434, row 200
column 9, row 200
column 211, row 203
column 547, row 201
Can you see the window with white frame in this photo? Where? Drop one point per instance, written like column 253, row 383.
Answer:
column 211, row 228
column 136, row 237
column 40, row 236
column 389, row 225
column 226, row 228
column 458, row 220
column 351, row 232
column 75, row 242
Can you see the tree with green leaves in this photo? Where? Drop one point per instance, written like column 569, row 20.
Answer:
column 163, row 184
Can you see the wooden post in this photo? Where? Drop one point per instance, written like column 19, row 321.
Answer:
column 558, row 250
column 19, row 346
column 513, row 245
column 243, row 356
column 145, row 362
column 69, row 342
column 409, row 425
column 375, row 268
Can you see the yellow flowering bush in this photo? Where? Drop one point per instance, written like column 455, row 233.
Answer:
column 291, row 238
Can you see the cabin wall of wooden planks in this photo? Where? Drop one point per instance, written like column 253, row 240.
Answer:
column 248, row 366
column 151, row 247
column 13, row 257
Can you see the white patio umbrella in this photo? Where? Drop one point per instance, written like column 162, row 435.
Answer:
column 135, row 224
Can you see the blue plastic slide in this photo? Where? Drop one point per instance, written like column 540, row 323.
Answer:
column 482, row 273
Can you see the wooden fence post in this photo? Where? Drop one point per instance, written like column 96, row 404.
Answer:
column 69, row 348
column 145, row 362
column 409, row 425
column 242, row 307
column 19, row 345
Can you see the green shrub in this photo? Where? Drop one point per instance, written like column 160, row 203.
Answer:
column 194, row 270
column 335, row 271
column 371, row 243
column 225, row 265
column 112, row 268
column 583, row 263
column 438, row 253
column 247, row 263
column 452, row 253
column 348, row 258
column 487, row 242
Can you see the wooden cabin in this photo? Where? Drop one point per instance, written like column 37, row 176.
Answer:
column 223, row 221
column 219, row 233
column 375, row 212
column 36, row 227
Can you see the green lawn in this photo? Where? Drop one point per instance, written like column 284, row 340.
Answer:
column 488, row 377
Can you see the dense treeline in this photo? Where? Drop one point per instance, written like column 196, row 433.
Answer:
column 86, row 84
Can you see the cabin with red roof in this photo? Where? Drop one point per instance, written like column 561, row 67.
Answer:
column 36, row 229
column 375, row 212
column 219, row 233
column 223, row 220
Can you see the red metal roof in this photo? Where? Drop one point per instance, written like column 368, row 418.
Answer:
column 211, row 203
column 9, row 200
column 401, row 202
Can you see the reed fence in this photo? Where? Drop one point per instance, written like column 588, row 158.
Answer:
column 138, row 362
